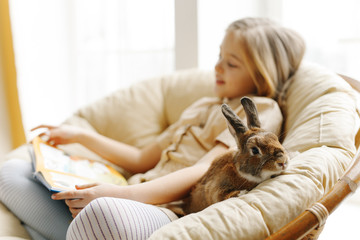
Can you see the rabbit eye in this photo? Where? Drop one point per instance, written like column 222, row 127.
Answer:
column 255, row 150
column 279, row 154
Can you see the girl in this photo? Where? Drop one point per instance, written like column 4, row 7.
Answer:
column 257, row 57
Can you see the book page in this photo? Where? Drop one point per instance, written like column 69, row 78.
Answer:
column 62, row 172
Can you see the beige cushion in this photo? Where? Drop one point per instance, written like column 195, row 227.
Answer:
column 10, row 225
column 138, row 114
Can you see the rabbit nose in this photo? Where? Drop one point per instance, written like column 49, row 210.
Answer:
column 281, row 163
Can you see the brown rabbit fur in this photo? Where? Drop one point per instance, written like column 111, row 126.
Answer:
column 259, row 156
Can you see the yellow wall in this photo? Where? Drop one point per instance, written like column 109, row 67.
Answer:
column 8, row 77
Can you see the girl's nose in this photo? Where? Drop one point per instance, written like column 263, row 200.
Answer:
column 218, row 67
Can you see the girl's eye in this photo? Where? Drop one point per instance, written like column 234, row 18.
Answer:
column 232, row 65
column 255, row 150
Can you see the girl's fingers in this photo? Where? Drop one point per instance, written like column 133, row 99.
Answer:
column 74, row 194
column 76, row 203
column 67, row 195
column 43, row 126
column 75, row 211
column 43, row 134
column 83, row 186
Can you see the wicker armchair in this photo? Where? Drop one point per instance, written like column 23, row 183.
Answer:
column 318, row 99
column 309, row 224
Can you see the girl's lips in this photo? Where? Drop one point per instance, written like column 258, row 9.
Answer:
column 219, row 82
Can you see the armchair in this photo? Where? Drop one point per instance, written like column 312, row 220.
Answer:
column 322, row 125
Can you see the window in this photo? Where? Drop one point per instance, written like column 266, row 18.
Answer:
column 72, row 52
column 69, row 53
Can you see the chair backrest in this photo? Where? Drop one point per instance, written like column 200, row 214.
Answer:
column 138, row 114
column 309, row 224
column 320, row 124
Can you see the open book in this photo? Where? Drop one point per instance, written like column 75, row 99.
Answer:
column 59, row 172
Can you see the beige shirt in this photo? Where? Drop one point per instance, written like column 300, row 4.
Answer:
column 200, row 127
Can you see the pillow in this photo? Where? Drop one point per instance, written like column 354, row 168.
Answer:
column 316, row 97
column 138, row 114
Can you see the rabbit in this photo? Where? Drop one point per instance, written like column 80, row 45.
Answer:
column 258, row 157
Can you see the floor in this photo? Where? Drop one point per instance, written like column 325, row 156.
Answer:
column 344, row 222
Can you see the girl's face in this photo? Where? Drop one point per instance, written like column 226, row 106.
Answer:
column 232, row 77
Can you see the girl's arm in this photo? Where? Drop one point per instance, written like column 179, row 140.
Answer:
column 171, row 187
column 128, row 157
column 176, row 185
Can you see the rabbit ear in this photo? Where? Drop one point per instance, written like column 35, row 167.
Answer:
column 251, row 112
column 236, row 126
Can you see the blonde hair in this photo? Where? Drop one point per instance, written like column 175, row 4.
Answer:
column 271, row 53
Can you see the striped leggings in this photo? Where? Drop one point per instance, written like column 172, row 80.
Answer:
column 113, row 218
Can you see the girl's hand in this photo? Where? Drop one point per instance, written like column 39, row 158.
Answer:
column 78, row 199
column 63, row 134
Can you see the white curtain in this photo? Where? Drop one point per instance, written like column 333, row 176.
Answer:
column 72, row 52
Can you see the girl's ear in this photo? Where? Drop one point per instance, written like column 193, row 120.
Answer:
column 251, row 112
column 235, row 125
